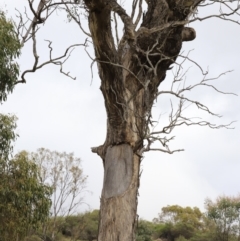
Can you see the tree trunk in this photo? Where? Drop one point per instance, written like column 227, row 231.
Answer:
column 130, row 76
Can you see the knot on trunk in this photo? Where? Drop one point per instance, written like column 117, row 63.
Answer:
column 188, row 34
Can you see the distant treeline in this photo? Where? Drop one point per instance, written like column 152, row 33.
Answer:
column 220, row 222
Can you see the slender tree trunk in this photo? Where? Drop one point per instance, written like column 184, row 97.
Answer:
column 130, row 76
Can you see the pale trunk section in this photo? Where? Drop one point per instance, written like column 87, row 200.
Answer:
column 119, row 195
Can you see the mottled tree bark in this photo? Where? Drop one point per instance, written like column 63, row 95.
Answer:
column 130, row 76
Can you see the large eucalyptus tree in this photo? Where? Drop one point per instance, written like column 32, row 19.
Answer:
column 131, row 68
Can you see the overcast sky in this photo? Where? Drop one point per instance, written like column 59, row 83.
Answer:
column 61, row 114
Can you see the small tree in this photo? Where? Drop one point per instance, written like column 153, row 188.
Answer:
column 225, row 212
column 180, row 222
column 62, row 171
column 24, row 199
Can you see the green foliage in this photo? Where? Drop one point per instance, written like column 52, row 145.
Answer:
column 75, row 227
column 225, row 212
column 220, row 223
column 89, row 227
column 33, row 238
column 9, row 51
column 160, row 230
column 181, row 238
column 204, row 235
column 144, row 231
column 179, row 222
column 24, row 200
column 7, row 136
column 176, row 214
column 50, row 226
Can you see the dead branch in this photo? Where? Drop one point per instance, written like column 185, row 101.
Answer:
column 223, row 15
column 76, row 17
column 57, row 61
column 177, row 118
column 45, row 8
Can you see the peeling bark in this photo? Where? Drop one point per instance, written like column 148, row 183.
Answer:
column 118, row 170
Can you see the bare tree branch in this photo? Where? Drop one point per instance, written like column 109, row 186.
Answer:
column 177, row 118
column 57, row 60
column 76, row 17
